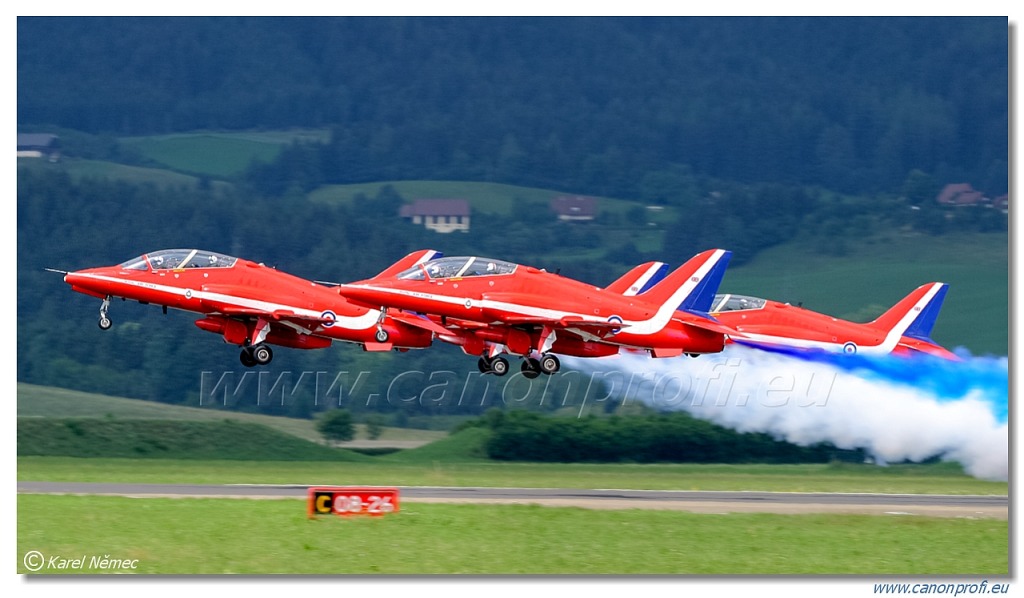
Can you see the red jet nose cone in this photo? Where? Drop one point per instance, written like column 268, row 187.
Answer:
column 90, row 282
column 363, row 295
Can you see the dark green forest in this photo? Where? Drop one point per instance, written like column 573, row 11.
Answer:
column 760, row 132
column 622, row 107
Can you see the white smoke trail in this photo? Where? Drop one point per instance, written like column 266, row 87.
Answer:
column 871, row 406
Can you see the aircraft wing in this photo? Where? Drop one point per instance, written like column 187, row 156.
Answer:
column 566, row 322
column 707, row 324
column 572, row 324
column 417, row 321
column 277, row 314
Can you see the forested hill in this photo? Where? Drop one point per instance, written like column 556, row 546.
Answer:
column 617, row 107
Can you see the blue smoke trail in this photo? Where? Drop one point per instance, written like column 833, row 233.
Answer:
column 895, row 408
column 945, row 380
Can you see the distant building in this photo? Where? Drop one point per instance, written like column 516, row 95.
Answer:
column 574, row 207
column 39, row 145
column 440, row 215
column 960, row 194
column 1002, row 203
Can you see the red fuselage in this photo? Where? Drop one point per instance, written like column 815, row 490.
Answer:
column 763, row 322
column 499, row 302
column 235, row 295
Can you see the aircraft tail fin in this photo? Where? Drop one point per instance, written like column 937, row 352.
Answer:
column 413, row 259
column 914, row 315
column 639, row 280
column 693, row 285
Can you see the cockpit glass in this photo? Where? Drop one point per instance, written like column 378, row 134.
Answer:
column 729, row 302
column 137, row 263
column 458, row 267
column 170, row 259
column 414, row 273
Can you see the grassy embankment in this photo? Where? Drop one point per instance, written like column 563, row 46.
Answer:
column 274, row 536
column 190, row 445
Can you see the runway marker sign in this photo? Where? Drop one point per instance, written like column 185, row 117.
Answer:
column 351, row 500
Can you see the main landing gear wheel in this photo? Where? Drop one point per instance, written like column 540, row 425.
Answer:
column 262, row 354
column 381, row 335
column 105, row 323
column 530, row 368
column 246, row 357
column 549, row 364
column 258, row 355
column 499, row 366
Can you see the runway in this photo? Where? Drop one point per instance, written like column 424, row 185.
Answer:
column 694, row 501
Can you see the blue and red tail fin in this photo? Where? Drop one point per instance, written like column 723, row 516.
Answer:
column 693, row 285
column 915, row 314
column 413, row 259
column 921, row 328
column 639, row 280
column 699, row 302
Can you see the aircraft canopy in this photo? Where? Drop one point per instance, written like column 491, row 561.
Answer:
column 729, row 302
column 173, row 259
column 458, row 267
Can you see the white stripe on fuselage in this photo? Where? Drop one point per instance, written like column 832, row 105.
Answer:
column 892, row 338
column 649, row 326
column 362, row 322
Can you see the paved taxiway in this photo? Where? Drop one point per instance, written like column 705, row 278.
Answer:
column 693, row 501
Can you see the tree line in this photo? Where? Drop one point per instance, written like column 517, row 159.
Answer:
column 655, row 437
column 605, row 106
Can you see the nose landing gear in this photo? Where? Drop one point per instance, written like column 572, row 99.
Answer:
column 105, row 322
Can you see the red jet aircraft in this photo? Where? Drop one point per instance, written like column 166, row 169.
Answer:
column 488, row 306
column 901, row 330
column 252, row 305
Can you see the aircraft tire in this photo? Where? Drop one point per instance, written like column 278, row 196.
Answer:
column 549, row 364
column 246, row 357
column 499, row 366
column 262, row 354
column 381, row 335
column 105, row 323
column 483, row 365
column 530, row 368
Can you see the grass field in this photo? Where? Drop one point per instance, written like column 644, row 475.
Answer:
column 274, row 536
column 485, row 198
column 873, row 277
column 218, row 154
column 408, row 470
column 46, row 401
column 109, row 170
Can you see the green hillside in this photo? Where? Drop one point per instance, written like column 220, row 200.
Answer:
column 49, row 402
column 215, row 153
column 168, row 439
column 873, row 271
column 870, row 278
